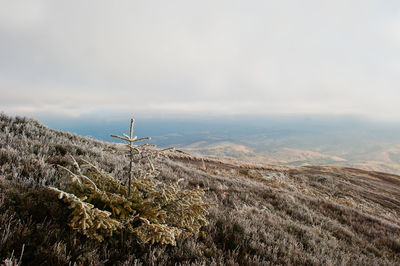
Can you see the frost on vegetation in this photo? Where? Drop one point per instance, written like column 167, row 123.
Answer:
column 154, row 212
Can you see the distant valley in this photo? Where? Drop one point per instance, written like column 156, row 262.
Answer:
column 379, row 160
column 340, row 141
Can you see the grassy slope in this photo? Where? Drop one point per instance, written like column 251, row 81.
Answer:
column 380, row 157
column 264, row 214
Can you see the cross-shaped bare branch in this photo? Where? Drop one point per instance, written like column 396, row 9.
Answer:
column 130, row 139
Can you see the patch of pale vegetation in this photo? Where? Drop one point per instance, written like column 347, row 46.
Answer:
column 264, row 214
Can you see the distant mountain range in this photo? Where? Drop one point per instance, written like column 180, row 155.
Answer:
column 378, row 160
column 296, row 140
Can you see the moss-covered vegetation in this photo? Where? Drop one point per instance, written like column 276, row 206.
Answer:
column 264, row 215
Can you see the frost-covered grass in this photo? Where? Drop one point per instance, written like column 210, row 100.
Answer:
column 265, row 215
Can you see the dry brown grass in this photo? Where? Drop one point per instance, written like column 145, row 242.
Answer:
column 265, row 214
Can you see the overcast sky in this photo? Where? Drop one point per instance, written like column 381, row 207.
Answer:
column 74, row 58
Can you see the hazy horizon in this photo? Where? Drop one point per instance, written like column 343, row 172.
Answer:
column 288, row 140
column 188, row 130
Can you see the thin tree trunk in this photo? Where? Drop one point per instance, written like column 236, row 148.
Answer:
column 131, row 162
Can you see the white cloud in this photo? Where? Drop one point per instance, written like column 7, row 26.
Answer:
column 16, row 15
column 220, row 57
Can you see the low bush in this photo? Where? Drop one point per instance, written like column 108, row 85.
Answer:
column 154, row 212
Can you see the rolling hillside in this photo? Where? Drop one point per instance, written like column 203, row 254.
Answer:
column 265, row 214
column 382, row 159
